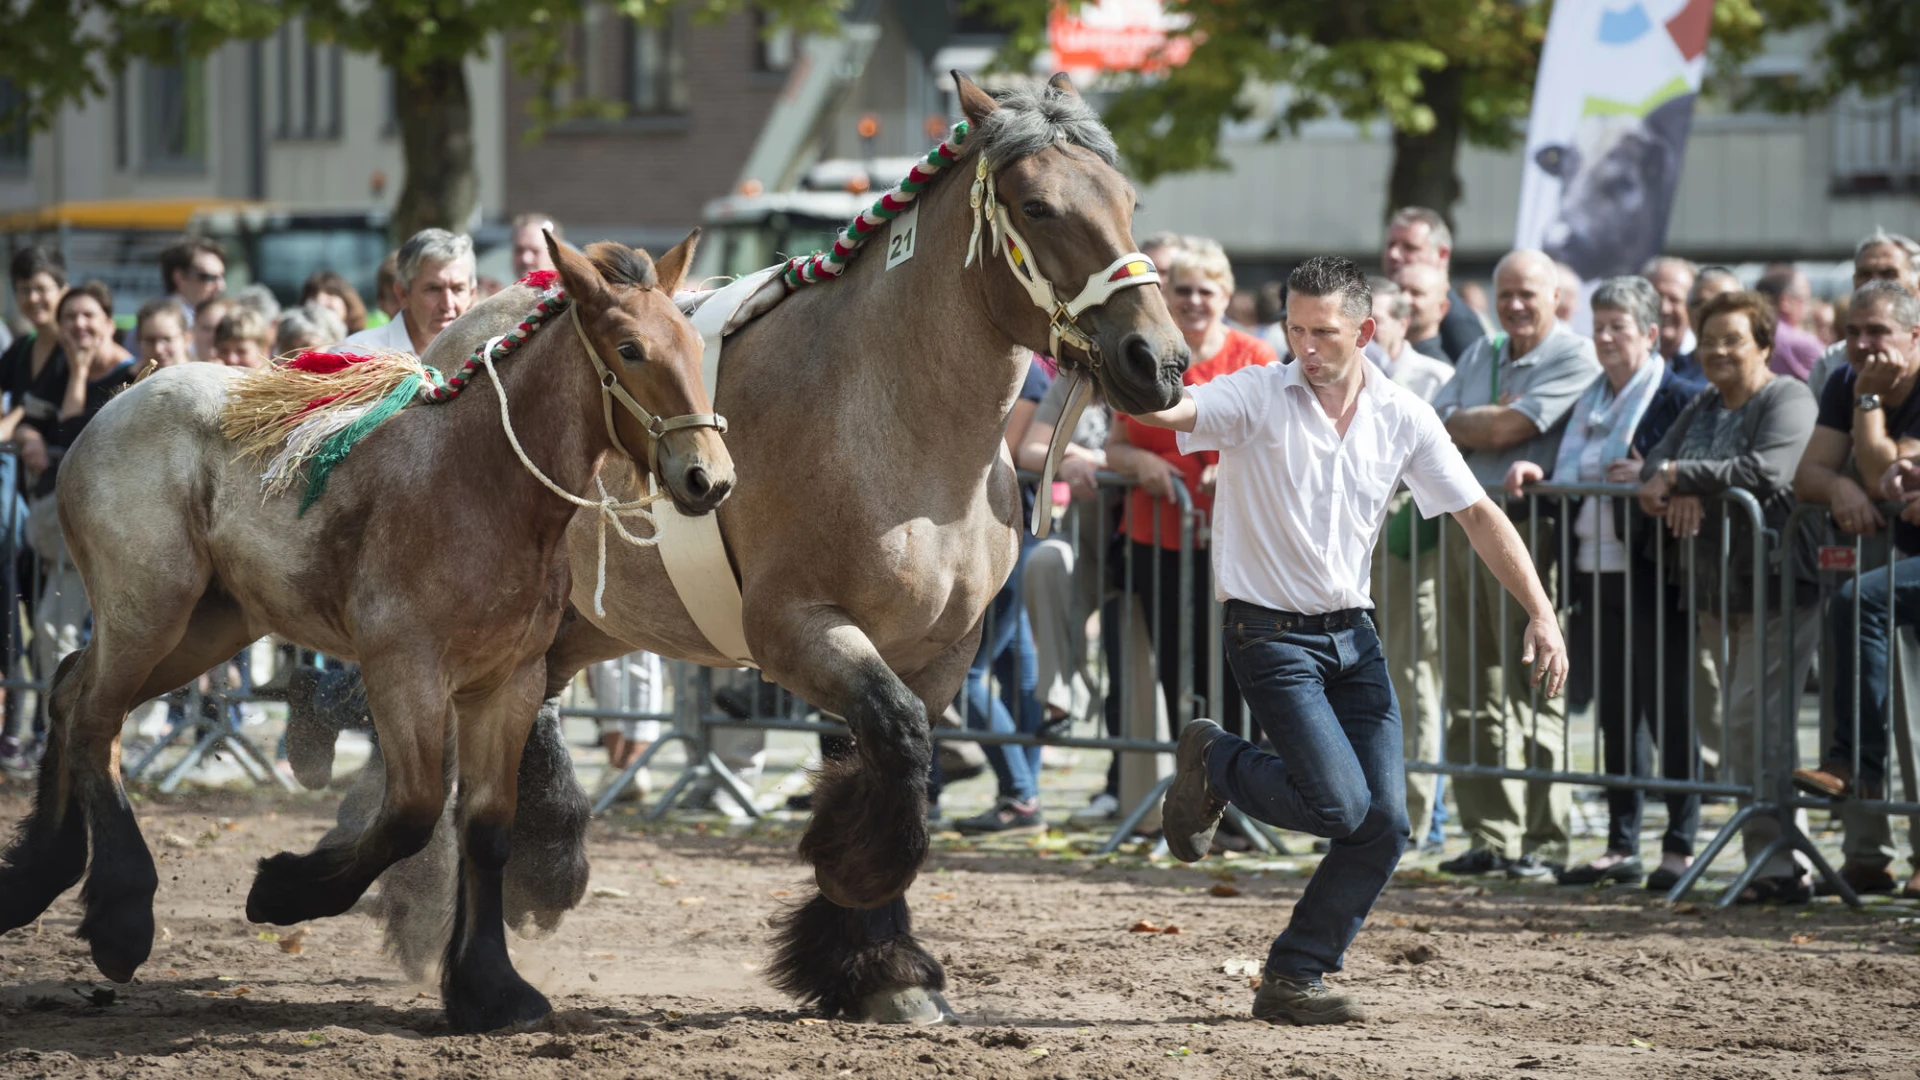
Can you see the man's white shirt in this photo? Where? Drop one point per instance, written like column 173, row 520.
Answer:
column 1296, row 507
column 391, row 334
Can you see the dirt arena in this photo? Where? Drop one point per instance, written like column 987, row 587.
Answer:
column 658, row 974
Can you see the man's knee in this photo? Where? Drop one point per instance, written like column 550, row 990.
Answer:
column 1344, row 818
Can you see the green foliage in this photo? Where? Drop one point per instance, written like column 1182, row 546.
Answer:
column 1372, row 60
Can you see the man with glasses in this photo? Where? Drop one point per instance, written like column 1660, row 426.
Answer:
column 194, row 269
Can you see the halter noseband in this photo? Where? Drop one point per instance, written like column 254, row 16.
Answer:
column 1126, row 272
column 611, row 391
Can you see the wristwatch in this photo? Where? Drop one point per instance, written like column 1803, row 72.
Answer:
column 1867, row 402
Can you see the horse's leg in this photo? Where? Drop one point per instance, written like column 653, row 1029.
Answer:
column 869, row 829
column 49, row 849
column 865, row 963
column 478, row 986
column 547, row 873
column 412, row 716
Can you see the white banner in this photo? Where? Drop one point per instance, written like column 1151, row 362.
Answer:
column 1611, row 108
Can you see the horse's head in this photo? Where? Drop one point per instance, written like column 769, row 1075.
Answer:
column 1066, row 237
column 648, row 354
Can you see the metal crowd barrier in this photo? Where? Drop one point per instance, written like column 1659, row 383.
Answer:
column 1854, row 565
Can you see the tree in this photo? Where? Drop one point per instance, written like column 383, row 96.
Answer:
column 59, row 53
column 1438, row 73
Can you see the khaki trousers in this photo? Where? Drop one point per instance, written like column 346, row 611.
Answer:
column 1493, row 716
column 1407, row 616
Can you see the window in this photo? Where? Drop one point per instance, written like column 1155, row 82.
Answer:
column 15, row 136
column 772, row 49
column 308, row 85
column 656, row 68
column 1876, row 144
column 174, row 116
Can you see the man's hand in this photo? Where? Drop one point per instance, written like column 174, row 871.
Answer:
column 1877, row 373
column 1522, row 473
column 1853, row 511
column 1653, row 494
column 1156, row 475
column 1208, row 475
column 33, row 449
column 1684, row 514
column 1901, row 482
column 1547, row 652
column 1081, row 475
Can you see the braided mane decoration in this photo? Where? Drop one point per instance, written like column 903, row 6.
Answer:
column 303, row 417
column 823, row 265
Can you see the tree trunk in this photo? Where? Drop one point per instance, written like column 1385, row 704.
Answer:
column 436, row 136
column 1424, row 172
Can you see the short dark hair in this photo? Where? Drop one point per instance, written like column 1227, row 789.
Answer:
column 1777, row 282
column 1333, row 275
column 179, row 255
column 93, row 287
column 31, row 261
column 1755, row 306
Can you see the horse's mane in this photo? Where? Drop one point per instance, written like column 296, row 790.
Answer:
column 1031, row 120
column 622, row 265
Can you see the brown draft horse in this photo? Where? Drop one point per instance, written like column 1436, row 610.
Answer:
column 875, row 517
column 435, row 558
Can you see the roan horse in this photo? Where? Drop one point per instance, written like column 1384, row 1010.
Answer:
column 875, row 517
column 435, row 558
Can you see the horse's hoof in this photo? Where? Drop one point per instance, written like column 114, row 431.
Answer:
column 511, row 1004
column 913, row 1005
column 289, row 889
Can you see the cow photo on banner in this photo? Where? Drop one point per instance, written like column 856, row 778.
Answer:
column 1611, row 108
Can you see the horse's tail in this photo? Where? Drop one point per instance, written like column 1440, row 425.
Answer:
column 48, row 852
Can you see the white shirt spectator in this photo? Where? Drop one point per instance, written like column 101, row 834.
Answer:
column 391, row 335
column 1415, row 370
column 1297, row 508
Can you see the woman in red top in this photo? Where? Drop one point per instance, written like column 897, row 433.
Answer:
column 1198, row 288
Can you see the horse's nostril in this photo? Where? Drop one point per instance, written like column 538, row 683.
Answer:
column 697, row 483
column 1139, row 352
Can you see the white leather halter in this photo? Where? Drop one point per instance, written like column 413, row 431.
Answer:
column 1126, row 272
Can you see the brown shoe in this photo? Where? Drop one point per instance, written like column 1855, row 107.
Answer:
column 1191, row 811
column 1912, row 888
column 1831, row 780
column 1867, row 879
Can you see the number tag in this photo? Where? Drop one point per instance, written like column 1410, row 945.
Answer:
column 900, row 239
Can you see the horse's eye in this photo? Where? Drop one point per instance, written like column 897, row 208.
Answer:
column 630, row 352
column 1035, row 210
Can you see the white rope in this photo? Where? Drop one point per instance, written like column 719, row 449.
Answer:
column 607, row 507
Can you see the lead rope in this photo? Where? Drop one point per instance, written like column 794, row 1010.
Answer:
column 607, row 508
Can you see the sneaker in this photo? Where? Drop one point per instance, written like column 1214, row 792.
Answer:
column 1191, row 811
column 1629, row 871
column 1007, row 816
column 1830, row 780
column 1477, row 861
column 1859, row 877
column 1534, row 868
column 1101, row 808
column 1310, row 1002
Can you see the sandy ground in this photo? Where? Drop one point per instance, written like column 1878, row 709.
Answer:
column 658, row 974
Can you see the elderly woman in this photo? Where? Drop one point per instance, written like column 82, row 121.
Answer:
column 1201, row 285
column 1747, row 431
column 1613, row 426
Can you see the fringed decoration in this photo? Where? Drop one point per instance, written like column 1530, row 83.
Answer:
column 303, row 417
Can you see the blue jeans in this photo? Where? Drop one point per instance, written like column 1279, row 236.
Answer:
column 1323, row 699
column 1006, row 652
column 1875, row 600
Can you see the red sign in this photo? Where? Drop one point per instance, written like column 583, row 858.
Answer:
column 1834, row 557
column 1118, row 35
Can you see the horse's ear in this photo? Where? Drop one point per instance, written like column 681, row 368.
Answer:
column 671, row 269
column 581, row 278
column 1063, row 84
column 975, row 103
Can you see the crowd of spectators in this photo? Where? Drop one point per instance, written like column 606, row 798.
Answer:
column 1689, row 386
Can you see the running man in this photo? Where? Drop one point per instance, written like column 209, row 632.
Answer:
column 1310, row 455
